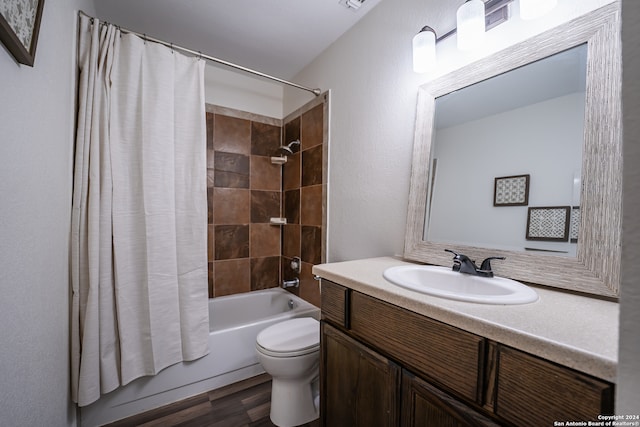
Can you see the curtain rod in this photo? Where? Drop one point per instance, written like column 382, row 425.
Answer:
column 316, row 91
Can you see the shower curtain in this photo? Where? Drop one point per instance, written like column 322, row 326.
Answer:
column 138, row 260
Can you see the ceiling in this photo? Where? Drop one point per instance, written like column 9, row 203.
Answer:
column 276, row 37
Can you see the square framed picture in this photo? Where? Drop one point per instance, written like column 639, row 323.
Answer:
column 19, row 27
column 511, row 191
column 548, row 223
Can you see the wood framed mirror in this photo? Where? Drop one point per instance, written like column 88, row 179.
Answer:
column 593, row 265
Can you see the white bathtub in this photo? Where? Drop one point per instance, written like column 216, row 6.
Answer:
column 234, row 323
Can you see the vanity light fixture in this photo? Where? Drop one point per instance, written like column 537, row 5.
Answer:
column 424, row 50
column 532, row 9
column 470, row 20
column 474, row 18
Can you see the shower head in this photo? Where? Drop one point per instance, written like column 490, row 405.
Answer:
column 287, row 150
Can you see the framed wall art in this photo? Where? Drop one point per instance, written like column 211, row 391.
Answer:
column 548, row 223
column 19, row 27
column 511, row 191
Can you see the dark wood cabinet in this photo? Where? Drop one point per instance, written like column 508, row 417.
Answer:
column 425, row 405
column 360, row 388
column 445, row 355
column 382, row 365
column 532, row 391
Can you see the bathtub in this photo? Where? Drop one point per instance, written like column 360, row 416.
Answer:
column 234, row 323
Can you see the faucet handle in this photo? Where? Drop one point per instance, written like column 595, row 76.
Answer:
column 486, row 264
column 463, row 263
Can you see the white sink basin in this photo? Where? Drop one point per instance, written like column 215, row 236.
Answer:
column 445, row 283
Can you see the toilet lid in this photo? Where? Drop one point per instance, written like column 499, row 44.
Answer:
column 290, row 336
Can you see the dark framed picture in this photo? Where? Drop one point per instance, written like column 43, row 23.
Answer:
column 548, row 223
column 19, row 27
column 574, row 224
column 511, row 191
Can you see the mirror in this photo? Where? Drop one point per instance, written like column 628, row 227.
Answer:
column 475, row 190
column 507, row 147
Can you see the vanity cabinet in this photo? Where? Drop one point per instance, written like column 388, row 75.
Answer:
column 360, row 386
column 425, row 405
column 532, row 391
column 384, row 365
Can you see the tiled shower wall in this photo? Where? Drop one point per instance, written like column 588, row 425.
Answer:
column 245, row 251
column 243, row 192
column 304, row 188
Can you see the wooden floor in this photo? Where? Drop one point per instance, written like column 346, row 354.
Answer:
column 243, row 404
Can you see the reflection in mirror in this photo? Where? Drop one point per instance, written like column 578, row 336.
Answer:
column 527, row 121
column 495, row 180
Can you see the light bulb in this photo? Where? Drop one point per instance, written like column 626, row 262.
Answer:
column 424, row 50
column 532, row 9
column 470, row 24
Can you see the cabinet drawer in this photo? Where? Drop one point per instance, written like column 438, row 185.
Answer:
column 443, row 354
column 531, row 391
column 334, row 300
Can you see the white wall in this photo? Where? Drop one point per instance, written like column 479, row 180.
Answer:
column 628, row 392
column 234, row 89
column 36, row 144
column 470, row 155
column 372, row 115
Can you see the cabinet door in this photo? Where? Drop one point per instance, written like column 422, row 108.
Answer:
column 360, row 388
column 423, row 405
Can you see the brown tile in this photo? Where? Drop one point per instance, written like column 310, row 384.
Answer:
column 265, row 273
column 209, row 119
column 311, row 127
column 292, row 206
column 232, row 277
column 265, row 240
column 231, row 206
column 291, row 240
column 291, row 174
column 311, row 244
column 231, row 170
column 311, row 205
column 286, row 271
column 211, row 278
column 264, row 174
column 211, row 159
column 209, row 205
column 210, row 177
column 312, row 166
column 264, row 205
column 232, row 241
column 292, row 130
column 232, row 135
column 211, row 239
column 309, row 287
column 265, row 139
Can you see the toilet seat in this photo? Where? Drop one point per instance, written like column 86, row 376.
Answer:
column 294, row 337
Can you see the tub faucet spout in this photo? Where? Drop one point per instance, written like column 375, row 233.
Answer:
column 291, row 283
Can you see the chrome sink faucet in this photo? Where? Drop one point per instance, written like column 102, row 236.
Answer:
column 464, row 264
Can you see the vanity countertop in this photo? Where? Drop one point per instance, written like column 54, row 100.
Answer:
column 573, row 330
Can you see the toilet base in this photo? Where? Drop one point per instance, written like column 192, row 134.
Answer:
column 293, row 402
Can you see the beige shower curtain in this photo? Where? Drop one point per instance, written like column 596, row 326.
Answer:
column 139, row 267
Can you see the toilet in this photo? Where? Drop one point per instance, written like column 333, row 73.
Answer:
column 289, row 351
